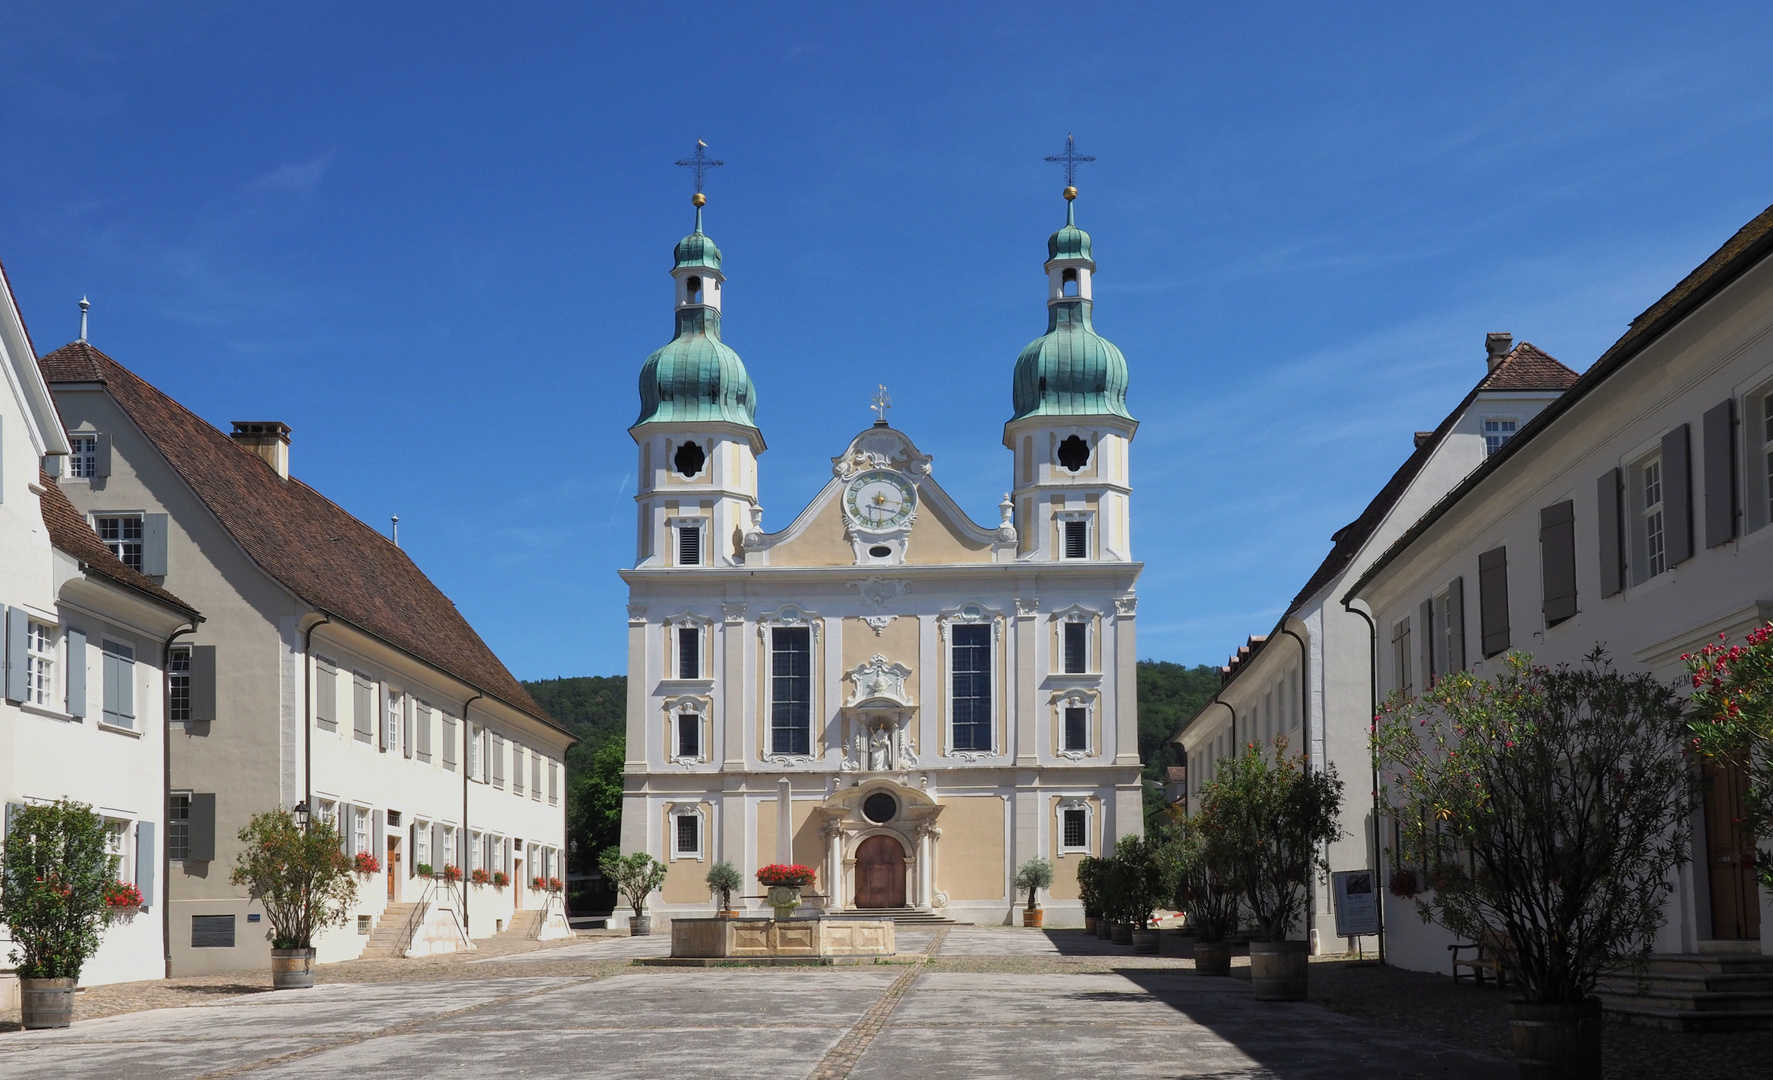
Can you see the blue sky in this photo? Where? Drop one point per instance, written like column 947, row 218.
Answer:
column 434, row 240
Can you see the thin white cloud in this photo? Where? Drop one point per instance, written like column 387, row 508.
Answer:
column 296, row 178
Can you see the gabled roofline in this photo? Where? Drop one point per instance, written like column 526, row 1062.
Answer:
column 42, row 422
column 1745, row 249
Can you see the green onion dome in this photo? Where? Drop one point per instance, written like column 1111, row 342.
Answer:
column 1070, row 370
column 697, row 249
column 1069, row 242
column 697, row 377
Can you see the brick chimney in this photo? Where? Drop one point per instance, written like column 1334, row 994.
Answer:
column 1497, row 343
column 268, row 439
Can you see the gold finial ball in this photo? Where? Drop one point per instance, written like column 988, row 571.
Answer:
column 702, row 200
column 1070, row 194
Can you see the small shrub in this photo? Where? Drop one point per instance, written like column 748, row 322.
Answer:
column 298, row 875
column 55, row 888
column 724, row 879
column 1034, row 875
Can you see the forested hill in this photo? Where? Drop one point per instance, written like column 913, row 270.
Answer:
column 594, row 708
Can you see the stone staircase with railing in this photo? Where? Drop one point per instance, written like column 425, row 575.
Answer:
column 1717, row 989
column 523, row 924
column 392, row 934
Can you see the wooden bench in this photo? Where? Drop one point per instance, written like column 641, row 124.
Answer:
column 1487, row 955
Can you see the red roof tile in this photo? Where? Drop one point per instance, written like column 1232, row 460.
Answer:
column 299, row 537
column 1526, row 368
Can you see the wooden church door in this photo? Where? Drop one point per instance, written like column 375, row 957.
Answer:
column 880, row 873
column 1730, row 854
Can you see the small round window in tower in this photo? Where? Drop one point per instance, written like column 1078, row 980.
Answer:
column 880, row 551
column 1074, row 453
column 880, row 808
column 689, row 459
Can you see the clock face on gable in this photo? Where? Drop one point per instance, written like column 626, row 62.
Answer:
column 879, row 500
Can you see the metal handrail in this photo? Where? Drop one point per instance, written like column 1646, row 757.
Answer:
column 542, row 923
column 417, row 918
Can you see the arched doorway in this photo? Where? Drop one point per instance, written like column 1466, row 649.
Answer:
column 880, row 873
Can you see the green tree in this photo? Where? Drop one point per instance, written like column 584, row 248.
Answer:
column 1169, row 694
column 52, row 894
column 1034, row 875
column 300, row 877
column 594, row 800
column 636, row 876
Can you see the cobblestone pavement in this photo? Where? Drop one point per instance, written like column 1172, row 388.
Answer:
column 984, row 1002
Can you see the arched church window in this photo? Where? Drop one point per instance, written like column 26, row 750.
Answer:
column 692, row 288
column 1074, row 453
column 1068, row 282
column 689, row 459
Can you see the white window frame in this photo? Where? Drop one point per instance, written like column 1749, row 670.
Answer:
column 972, row 614
column 704, row 631
column 687, row 810
column 360, row 832
column 1088, row 517
column 704, row 545
column 1074, row 803
column 421, row 844
column 395, row 719
column 676, row 710
column 41, row 642
column 476, row 852
column 117, row 842
column 791, row 616
column 1074, row 615
column 121, row 545
column 171, row 818
column 1501, row 437
column 83, row 455
column 1076, row 699
column 1646, row 522
column 1759, row 440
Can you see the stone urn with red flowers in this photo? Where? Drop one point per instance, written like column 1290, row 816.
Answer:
column 784, row 882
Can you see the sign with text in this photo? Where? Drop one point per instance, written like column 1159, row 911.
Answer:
column 1357, row 903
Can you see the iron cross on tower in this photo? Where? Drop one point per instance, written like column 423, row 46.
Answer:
column 701, row 163
column 880, row 405
column 1070, row 158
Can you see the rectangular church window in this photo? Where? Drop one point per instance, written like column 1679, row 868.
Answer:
column 1074, row 825
column 689, row 735
column 689, row 545
column 1076, row 641
column 972, row 687
column 1077, row 539
column 689, row 653
column 791, row 690
column 689, row 835
column 1077, row 732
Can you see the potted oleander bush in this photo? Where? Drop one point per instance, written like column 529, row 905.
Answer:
column 1032, row 876
column 1200, row 871
column 1111, row 879
column 636, row 877
column 55, row 900
column 724, row 879
column 1089, row 892
column 304, row 883
column 1276, row 814
column 1549, row 806
column 1141, row 883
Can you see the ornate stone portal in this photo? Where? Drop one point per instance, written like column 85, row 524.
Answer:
column 905, row 816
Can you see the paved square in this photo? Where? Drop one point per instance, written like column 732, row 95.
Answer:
column 1149, row 1018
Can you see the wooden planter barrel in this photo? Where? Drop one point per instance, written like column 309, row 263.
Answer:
column 1090, row 922
column 1212, row 958
column 1032, row 917
column 1104, row 929
column 292, row 969
column 1123, row 933
column 1144, row 941
column 640, row 925
column 1277, row 970
column 1557, row 1040
column 46, row 1003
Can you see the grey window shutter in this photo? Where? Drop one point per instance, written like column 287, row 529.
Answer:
column 16, row 629
column 437, row 853
column 77, row 673
column 449, row 742
column 154, row 545
column 412, row 849
column 203, row 826
column 1426, row 650
column 1612, row 542
column 362, row 700
column 102, row 467
column 377, row 834
column 145, row 862
column 347, row 825
column 1557, row 561
column 326, row 694
column 1677, row 496
column 112, row 705
column 1720, row 473
column 1493, row 599
column 381, row 720
column 1456, row 625
column 406, row 722
column 203, row 708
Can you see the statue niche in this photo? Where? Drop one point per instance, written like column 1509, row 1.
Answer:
column 879, row 714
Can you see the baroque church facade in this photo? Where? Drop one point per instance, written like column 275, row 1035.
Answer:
column 910, row 702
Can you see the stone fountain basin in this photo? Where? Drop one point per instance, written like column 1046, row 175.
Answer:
column 813, row 936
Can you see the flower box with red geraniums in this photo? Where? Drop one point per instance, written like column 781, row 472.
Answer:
column 480, row 877
column 500, row 879
column 452, row 873
column 554, row 884
column 121, row 894
column 538, row 884
column 366, row 863
column 792, row 874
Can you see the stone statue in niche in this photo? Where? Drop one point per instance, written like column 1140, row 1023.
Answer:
column 880, row 748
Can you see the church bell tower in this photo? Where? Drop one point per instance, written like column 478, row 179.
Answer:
column 697, row 431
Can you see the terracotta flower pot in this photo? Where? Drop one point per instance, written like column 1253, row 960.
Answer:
column 1031, row 917
column 292, row 969
column 726, row 913
column 1557, row 1040
column 1278, row 970
column 1212, row 958
column 46, row 1003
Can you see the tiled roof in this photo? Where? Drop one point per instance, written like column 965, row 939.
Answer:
column 1751, row 243
column 299, row 537
column 1527, row 368
column 70, row 533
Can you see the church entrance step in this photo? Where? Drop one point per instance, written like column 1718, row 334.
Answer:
column 1708, row 991
column 900, row 916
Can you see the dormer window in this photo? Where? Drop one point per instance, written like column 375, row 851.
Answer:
column 1497, row 432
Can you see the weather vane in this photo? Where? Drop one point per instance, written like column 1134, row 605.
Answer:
column 881, row 404
column 701, row 162
column 1071, row 158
